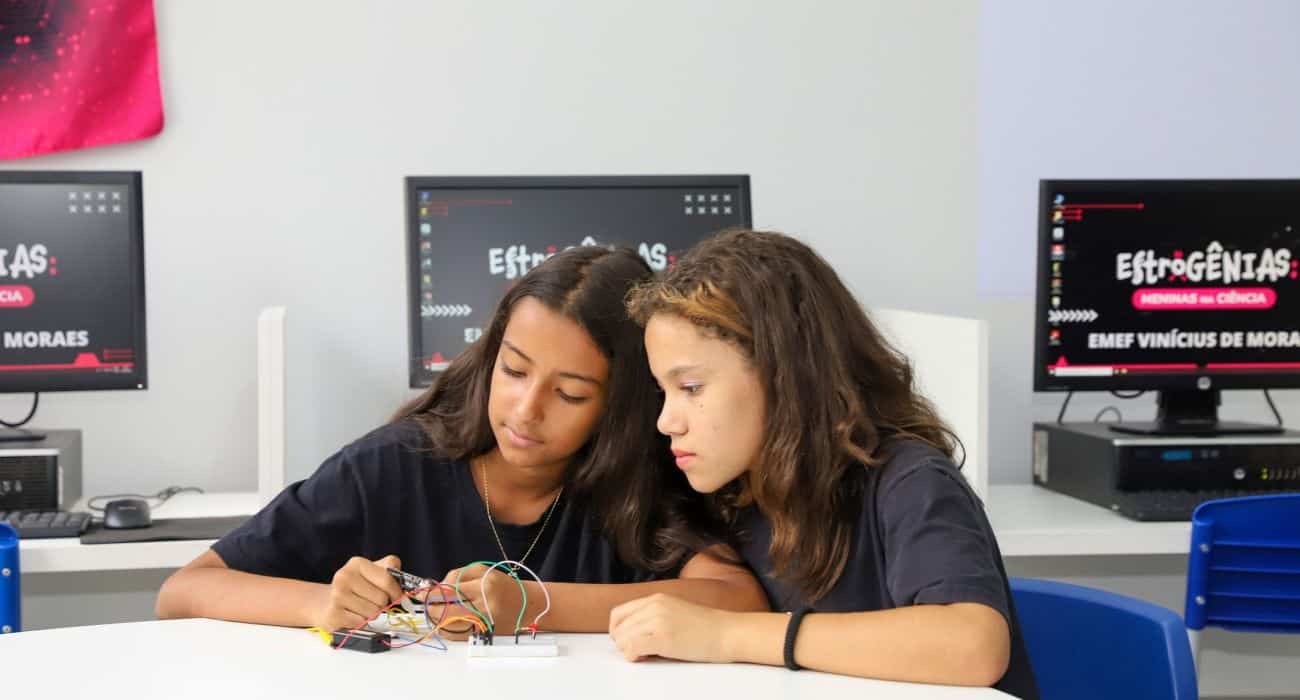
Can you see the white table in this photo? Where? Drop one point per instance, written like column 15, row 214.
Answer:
column 211, row 659
column 68, row 554
column 1031, row 521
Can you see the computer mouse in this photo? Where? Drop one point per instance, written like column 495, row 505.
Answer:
column 127, row 513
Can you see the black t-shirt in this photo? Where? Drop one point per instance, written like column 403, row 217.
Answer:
column 921, row 537
column 387, row 494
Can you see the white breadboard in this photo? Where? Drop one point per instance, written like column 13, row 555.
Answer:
column 504, row 647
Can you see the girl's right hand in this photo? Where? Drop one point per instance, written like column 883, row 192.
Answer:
column 358, row 592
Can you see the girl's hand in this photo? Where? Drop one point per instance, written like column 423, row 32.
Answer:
column 497, row 592
column 661, row 625
column 357, row 593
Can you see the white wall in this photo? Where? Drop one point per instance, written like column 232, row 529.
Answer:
column 1118, row 89
column 278, row 178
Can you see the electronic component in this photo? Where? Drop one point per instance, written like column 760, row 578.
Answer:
column 509, row 646
column 362, row 640
column 408, row 582
column 40, row 475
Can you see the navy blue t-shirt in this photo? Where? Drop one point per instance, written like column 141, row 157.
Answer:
column 921, row 537
column 387, row 494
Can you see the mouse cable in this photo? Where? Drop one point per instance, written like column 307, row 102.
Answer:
column 36, row 400
column 162, row 496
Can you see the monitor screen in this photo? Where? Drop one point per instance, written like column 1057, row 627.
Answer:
column 1168, row 284
column 470, row 238
column 72, row 312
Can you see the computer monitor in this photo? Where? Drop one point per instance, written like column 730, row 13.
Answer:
column 1186, row 287
column 72, row 315
column 470, row 238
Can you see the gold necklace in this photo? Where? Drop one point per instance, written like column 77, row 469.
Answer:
column 487, row 504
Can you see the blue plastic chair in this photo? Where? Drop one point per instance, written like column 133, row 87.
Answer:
column 11, row 611
column 1243, row 573
column 1089, row 643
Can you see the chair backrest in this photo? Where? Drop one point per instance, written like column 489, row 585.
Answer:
column 949, row 357
column 10, row 593
column 1088, row 643
column 1244, row 569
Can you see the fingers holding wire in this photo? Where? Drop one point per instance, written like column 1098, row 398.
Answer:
column 376, row 574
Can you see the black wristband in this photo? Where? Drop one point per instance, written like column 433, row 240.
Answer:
column 791, row 632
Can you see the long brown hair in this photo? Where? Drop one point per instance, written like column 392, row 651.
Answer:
column 624, row 472
column 837, row 393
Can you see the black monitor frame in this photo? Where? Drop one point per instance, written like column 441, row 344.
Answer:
column 421, row 377
column 1187, row 403
column 138, row 379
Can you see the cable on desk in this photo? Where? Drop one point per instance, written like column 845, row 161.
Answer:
column 488, row 619
column 1061, row 416
column 1269, row 397
column 162, row 496
column 532, row 627
column 431, row 634
column 1119, row 417
column 480, row 622
column 36, row 399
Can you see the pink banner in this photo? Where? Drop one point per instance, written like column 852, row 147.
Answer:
column 76, row 74
column 1204, row 298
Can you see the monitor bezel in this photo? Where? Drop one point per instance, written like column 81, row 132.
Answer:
column 139, row 379
column 1045, row 382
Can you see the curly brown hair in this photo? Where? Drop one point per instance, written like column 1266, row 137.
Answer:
column 837, row 393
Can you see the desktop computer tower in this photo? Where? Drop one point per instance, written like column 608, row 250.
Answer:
column 1161, row 478
column 41, row 474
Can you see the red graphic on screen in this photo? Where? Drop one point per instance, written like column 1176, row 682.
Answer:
column 83, row 361
column 442, row 207
column 1074, row 212
column 76, row 74
column 16, row 296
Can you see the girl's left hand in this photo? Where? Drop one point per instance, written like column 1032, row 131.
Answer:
column 661, row 625
column 498, row 593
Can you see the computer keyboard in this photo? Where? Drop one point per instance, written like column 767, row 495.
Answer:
column 1175, row 505
column 43, row 524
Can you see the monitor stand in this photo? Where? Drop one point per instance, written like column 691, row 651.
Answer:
column 20, row 435
column 1194, row 413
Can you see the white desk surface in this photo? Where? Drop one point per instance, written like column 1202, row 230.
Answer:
column 1029, row 521
column 68, row 554
column 212, row 659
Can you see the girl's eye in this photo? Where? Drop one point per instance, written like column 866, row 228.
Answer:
column 692, row 388
column 572, row 399
column 510, row 372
